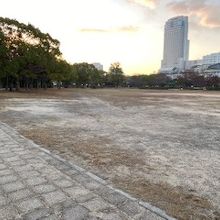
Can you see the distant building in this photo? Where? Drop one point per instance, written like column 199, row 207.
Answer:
column 191, row 64
column 176, row 45
column 211, row 59
column 208, row 65
column 98, row 66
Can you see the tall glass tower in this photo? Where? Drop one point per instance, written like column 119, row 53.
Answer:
column 176, row 44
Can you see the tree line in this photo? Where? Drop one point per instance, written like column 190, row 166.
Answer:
column 186, row 80
column 32, row 59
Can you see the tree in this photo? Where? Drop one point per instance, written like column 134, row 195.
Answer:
column 27, row 54
column 116, row 75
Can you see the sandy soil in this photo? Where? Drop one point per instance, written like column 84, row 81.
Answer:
column 161, row 146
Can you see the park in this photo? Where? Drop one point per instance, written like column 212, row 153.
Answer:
column 159, row 146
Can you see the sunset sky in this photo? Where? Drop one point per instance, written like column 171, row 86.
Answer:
column 128, row 31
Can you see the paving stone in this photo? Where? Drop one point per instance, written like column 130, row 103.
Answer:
column 96, row 204
column 12, row 159
column 29, row 205
column 52, row 173
column 18, row 163
column 10, row 187
column 76, row 192
column 8, row 212
column 59, row 207
column 23, row 168
column 51, row 217
column 146, row 215
column 81, row 178
column 115, row 198
column 37, row 214
column 86, row 197
column 3, row 200
column 7, row 179
column 110, row 216
column 5, row 172
column 18, row 148
column 8, row 155
column 73, row 172
column 63, row 183
column 131, row 208
column 45, row 188
column 75, row 213
column 28, row 156
column 92, row 184
column 103, row 191
column 21, row 194
column 54, row 197
column 63, row 167
column 3, row 152
column 2, row 166
column 28, row 174
column 35, row 181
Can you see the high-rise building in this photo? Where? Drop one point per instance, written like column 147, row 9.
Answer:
column 176, row 44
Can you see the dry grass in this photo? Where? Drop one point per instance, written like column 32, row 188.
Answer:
column 126, row 164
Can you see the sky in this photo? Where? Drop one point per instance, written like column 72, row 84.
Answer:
column 125, row 31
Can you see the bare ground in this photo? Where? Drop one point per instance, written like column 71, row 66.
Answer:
column 161, row 146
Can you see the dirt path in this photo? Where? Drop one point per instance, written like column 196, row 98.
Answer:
column 162, row 146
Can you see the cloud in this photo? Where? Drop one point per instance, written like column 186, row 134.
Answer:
column 93, row 30
column 146, row 3
column 205, row 13
column 130, row 29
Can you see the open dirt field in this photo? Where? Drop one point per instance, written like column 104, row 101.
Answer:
column 161, row 146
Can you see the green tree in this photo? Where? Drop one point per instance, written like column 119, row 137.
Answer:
column 116, row 75
column 29, row 55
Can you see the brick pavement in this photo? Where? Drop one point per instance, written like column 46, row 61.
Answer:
column 36, row 184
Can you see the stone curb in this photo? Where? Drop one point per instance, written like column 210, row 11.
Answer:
column 145, row 205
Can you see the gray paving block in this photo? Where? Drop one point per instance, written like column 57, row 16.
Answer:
column 37, row 214
column 29, row 205
column 86, row 197
column 59, row 207
column 28, row 174
column 8, row 212
column 15, row 186
column 63, row 183
column 76, row 192
column 146, row 215
column 12, row 159
column 18, row 163
column 96, row 204
column 23, row 168
column 2, row 166
column 92, row 184
column 44, row 188
column 75, row 213
column 6, row 172
column 51, row 217
column 3, row 200
column 7, row 179
column 115, row 198
column 131, row 208
column 21, row 194
column 54, row 197
column 35, row 181
column 110, row 216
